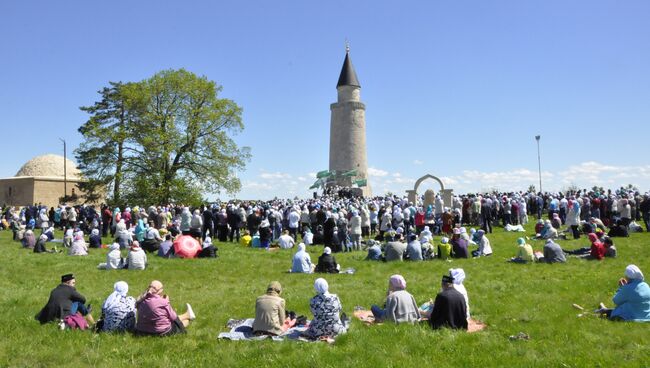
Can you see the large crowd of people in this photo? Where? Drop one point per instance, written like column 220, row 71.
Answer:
column 388, row 228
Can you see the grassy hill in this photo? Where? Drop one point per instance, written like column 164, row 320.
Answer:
column 510, row 298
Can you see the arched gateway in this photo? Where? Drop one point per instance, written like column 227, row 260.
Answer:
column 446, row 194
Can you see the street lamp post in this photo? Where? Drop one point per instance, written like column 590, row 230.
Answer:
column 539, row 163
column 65, row 170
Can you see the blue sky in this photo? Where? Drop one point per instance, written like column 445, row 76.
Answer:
column 457, row 89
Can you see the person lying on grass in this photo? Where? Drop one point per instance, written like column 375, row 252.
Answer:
column 400, row 306
column 156, row 316
column 65, row 300
column 632, row 298
column 326, row 309
column 595, row 252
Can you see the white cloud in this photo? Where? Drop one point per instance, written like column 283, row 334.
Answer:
column 376, row 172
column 275, row 175
column 417, row 162
column 267, row 185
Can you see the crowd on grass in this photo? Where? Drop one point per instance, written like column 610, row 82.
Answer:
column 388, row 228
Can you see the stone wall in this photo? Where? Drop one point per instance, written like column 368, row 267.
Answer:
column 23, row 191
column 17, row 191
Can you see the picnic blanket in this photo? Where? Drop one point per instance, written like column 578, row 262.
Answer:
column 242, row 330
column 366, row 317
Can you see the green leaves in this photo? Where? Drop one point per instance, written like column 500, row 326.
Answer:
column 168, row 137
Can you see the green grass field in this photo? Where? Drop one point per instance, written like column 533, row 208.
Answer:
column 509, row 298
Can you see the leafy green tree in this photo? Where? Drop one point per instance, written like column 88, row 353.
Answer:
column 184, row 132
column 102, row 156
column 166, row 138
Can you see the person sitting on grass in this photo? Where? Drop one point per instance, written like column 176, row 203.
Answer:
column 137, row 258
column 374, row 251
column 301, row 261
column 395, row 249
column 246, row 239
column 632, row 298
column 484, row 247
column 95, row 240
column 414, row 248
column 444, row 250
column 459, row 245
column 270, row 312
column 286, row 241
column 553, row 253
column 209, row 250
column 40, row 244
column 166, row 248
column 152, row 238
column 618, row 230
column 114, row 259
column 524, row 252
column 326, row 309
column 449, row 308
column 307, row 236
column 327, row 262
column 123, row 236
column 548, row 231
column 29, row 240
column 79, row 246
column 49, row 233
column 118, row 311
column 155, row 316
column 65, row 300
column 610, row 248
column 400, row 305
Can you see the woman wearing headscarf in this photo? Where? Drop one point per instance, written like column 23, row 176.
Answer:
column 137, row 258
column 29, row 240
column 68, row 237
column 114, row 259
column 43, row 219
column 186, row 219
column 328, row 229
column 484, row 247
column 524, row 252
column 123, row 236
column 140, row 231
column 49, row 233
column 632, row 298
column 95, row 240
column 116, row 219
column 400, row 305
column 458, row 274
column 326, row 308
column 327, row 262
column 265, row 234
column 209, row 250
column 459, row 245
column 196, row 224
column 301, row 261
column 355, row 230
column 118, row 311
column 79, row 246
column 573, row 218
column 426, row 235
column 40, row 244
column 270, row 312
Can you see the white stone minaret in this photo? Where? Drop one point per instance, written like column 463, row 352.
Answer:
column 348, row 128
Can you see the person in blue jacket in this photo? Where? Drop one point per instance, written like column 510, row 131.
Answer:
column 632, row 298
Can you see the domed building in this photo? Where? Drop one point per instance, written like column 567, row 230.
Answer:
column 41, row 180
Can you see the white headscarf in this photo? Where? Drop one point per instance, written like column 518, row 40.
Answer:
column 114, row 246
column 633, row 272
column 321, row 286
column 120, row 288
column 207, row 242
column 95, row 232
column 458, row 274
column 301, row 247
column 327, row 250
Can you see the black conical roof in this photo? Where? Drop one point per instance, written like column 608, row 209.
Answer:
column 348, row 76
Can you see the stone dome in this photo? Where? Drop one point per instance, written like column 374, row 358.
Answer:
column 49, row 165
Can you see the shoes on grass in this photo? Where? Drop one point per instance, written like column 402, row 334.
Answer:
column 190, row 312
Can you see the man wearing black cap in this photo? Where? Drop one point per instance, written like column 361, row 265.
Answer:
column 449, row 309
column 64, row 301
